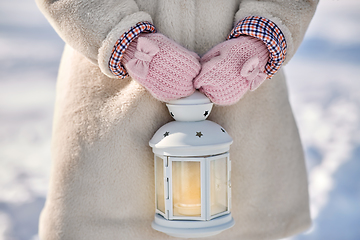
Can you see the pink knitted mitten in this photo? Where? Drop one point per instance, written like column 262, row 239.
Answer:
column 231, row 68
column 162, row 66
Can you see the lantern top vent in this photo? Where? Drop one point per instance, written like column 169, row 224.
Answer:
column 196, row 98
column 195, row 107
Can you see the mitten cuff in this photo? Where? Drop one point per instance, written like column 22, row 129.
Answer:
column 122, row 44
column 130, row 51
column 267, row 31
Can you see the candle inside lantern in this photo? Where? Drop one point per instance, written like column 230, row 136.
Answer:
column 186, row 188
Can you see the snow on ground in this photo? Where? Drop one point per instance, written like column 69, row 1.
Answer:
column 324, row 84
column 29, row 56
column 324, row 91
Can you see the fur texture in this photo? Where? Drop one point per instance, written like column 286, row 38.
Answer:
column 102, row 181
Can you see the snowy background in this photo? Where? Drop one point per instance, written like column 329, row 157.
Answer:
column 324, row 84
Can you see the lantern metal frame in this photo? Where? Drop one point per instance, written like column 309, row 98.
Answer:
column 205, row 190
column 192, row 138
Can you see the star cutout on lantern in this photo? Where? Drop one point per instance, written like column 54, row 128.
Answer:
column 206, row 113
column 166, row 134
column 199, row 134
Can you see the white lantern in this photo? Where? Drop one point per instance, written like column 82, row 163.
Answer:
column 192, row 172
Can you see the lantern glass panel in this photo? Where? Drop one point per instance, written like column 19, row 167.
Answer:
column 218, row 186
column 186, row 183
column 159, row 181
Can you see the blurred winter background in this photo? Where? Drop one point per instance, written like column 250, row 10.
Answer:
column 324, row 85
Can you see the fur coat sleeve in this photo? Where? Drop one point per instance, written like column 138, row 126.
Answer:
column 292, row 17
column 92, row 27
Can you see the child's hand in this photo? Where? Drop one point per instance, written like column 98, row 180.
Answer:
column 231, row 68
column 163, row 67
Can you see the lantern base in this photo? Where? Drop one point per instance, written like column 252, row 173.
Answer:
column 191, row 228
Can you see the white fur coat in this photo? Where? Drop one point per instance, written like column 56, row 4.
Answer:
column 102, row 181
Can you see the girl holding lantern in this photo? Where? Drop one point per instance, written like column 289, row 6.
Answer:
column 122, row 59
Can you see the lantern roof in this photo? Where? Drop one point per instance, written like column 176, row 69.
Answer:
column 190, row 134
column 200, row 138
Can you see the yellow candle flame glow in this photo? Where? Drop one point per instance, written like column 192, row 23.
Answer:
column 186, row 188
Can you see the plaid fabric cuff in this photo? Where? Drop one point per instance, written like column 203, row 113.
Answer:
column 270, row 34
column 122, row 43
